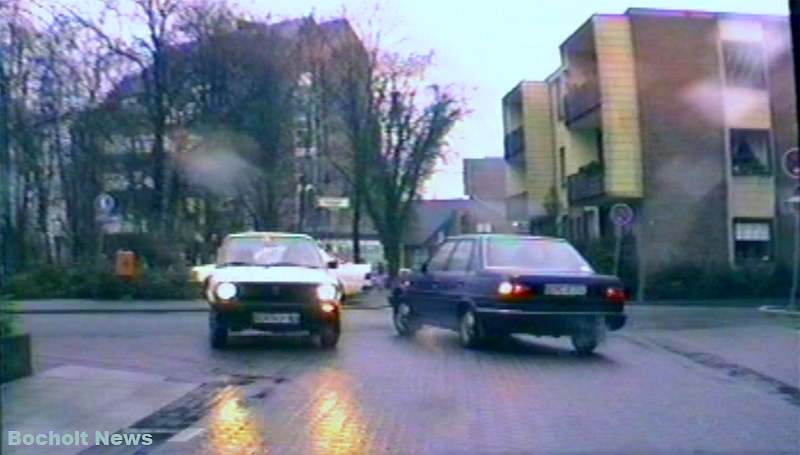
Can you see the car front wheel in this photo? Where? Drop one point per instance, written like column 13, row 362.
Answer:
column 218, row 331
column 469, row 332
column 405, row 322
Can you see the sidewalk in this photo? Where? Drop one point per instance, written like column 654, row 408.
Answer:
column 65, row 399
column 369, row 301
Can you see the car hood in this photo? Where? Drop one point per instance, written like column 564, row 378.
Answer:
column 281, row 274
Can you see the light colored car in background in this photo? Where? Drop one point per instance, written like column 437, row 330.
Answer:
column 200, row 273
column 354, row 278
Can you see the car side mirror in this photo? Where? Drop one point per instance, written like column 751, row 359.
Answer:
column 424, row 268
column 333, row 264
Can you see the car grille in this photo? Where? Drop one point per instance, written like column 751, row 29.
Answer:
column 277, row 292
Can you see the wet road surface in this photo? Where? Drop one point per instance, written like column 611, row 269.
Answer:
column 674, row 381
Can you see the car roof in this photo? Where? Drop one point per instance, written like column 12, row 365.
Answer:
column 504, row 236
column 239, row 235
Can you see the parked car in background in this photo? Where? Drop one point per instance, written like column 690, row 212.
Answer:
column 277, row 283
column 488, row 286
column 354, row 278
column 200, row 273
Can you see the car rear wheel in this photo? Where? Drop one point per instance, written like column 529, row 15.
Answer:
column 585, row 342
column 327, row 337
column 469, row 332
column 218, row 331
column 405, row 322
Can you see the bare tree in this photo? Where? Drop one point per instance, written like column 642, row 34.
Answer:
column 396, row 127
column 153, row 52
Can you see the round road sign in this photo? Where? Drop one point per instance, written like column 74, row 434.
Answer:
column 791, row 163
column 104, row 203
column 621, row 214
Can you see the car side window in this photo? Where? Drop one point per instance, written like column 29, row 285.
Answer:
column 461, row 258
column 439, row 260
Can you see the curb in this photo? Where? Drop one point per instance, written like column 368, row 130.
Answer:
column 778, row 310
column 147, row 310
column 105, row 310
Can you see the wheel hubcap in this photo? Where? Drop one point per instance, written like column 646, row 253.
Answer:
column 468, row 327
column 401, row 316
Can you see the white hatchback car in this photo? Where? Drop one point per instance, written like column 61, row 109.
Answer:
column 273, row 282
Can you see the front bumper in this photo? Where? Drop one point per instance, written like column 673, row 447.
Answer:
column 239, row 316
column 544, row 322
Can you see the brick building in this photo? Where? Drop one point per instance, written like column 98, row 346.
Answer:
column 684, row 115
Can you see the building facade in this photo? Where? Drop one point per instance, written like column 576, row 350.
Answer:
column 683, row 115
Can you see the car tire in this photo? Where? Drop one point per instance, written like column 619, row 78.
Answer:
column 405, row 322
column 218, row 331
column 585, row 342
column 327, row 337
column 469, row 331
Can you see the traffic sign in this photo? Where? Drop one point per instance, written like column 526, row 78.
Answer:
column 621, row 214
column 333, row 202
column 104, row 204
column 791, row 163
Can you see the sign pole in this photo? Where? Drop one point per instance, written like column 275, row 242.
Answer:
column 791, row 166
column 796, row 259
column 623, row 216
column 617, row 247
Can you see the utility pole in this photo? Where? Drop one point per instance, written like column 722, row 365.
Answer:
column 794, row 23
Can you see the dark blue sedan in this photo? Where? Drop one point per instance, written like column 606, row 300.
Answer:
column 488, row 286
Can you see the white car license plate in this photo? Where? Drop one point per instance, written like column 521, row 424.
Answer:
column 276, row 318
column 565, row 289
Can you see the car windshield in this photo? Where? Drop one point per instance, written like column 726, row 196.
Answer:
column 269, row 251
column 534, row 254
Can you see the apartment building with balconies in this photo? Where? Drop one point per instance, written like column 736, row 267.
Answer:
column 684, row 115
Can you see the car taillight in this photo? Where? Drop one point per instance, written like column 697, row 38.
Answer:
column 327, row 307
column 616, row 294
column 512, row 291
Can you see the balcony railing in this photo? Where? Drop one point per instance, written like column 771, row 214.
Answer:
column 580, row 99
column 514, row 143
column 585, row 185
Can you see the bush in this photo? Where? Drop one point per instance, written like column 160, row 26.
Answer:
column 93, row 282
column 695, row 282
column 8, row 325
column 599, row 255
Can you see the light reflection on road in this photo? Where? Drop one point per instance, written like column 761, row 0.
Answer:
column 335, row 425
column 232, row 429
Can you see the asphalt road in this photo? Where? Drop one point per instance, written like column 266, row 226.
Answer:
column 674, row 381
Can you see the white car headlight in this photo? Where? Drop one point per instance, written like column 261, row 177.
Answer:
column 226, row 291
column 327, row 292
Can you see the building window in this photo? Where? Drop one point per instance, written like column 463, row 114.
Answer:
column 744, row 64
column 752, row 240
column 750, row 152
column 562, row 166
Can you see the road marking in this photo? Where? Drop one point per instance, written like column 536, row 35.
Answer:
column 187, row 435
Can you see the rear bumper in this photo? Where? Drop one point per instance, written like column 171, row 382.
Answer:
column 544, row 322
column 240, row 316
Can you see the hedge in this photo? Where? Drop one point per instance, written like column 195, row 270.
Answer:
column 695, row 282
column 92, row 282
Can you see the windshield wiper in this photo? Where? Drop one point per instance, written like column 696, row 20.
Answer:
column 287, row 264
column 234, row 263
